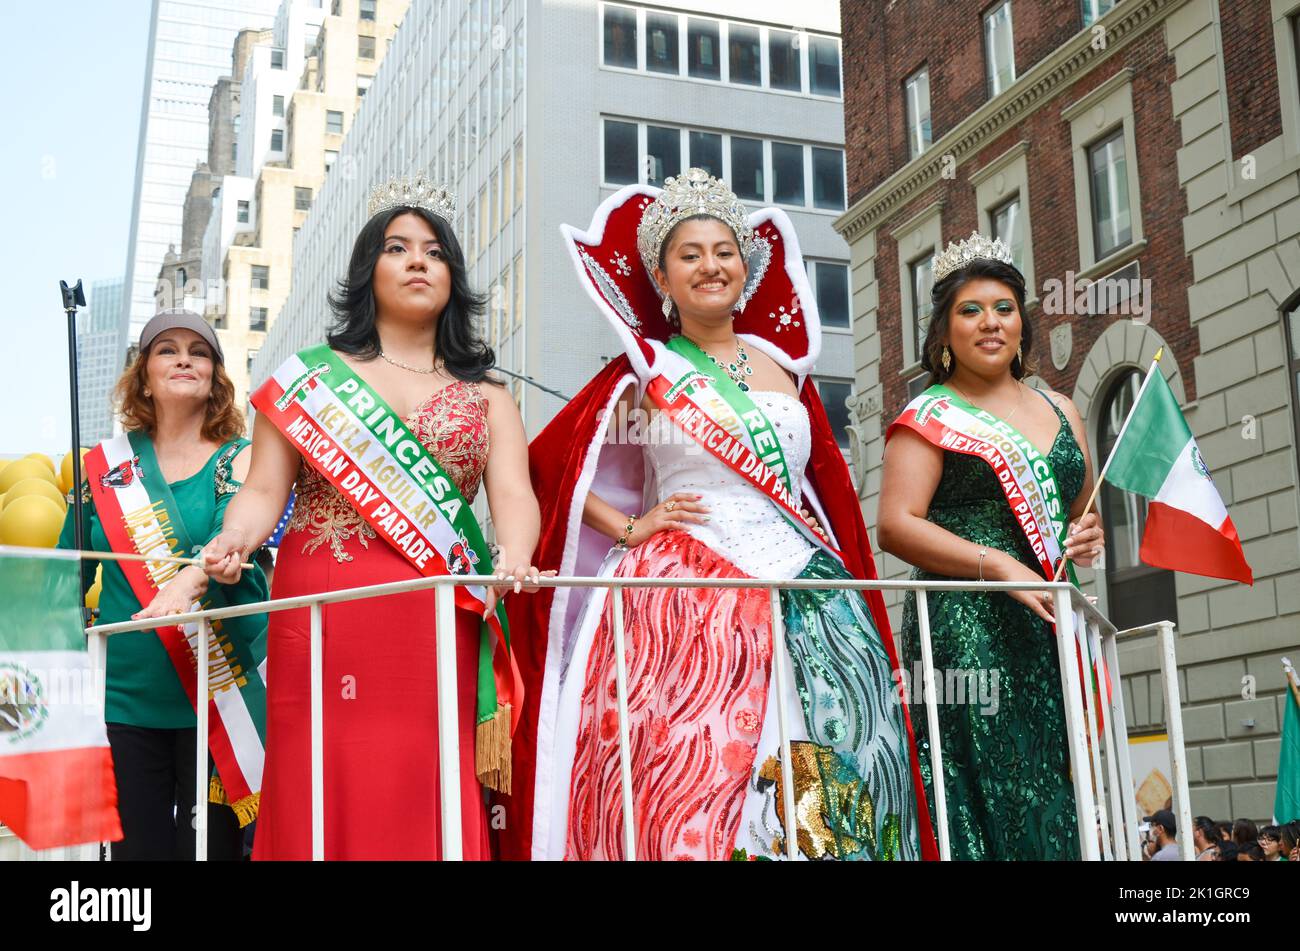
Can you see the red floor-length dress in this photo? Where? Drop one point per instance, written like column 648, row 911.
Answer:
column 380, row 687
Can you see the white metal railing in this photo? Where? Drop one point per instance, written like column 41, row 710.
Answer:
column 1104, row 799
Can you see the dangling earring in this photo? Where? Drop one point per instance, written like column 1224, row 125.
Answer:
column 147, row 394
column 1020, row 355
column 946, row 360
column 668, row 306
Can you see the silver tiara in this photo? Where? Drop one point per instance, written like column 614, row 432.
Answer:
column 975, row 248
column 417, row 192
column 695, row 192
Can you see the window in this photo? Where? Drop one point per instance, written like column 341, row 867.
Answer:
column 703, row 59
column 824, row 65
column 663, row 153
column 1094, row 10
column 620, row 153
column 519, row 173
column 917, row 89
column 620, row 37
column 365, row 47
column 277, row 140
column 180, row 279
column 301, row 198
column 835, row 395
column 661, row 42
column 706, row 152
column 241, row 212
column 828, row 178
column 277, row 59
column 1136, row 593
column 999, row 49
column 363, row 83
column 331, row 156
column 333, row 121
column 260, row 277
column 831, row 288
column 336, row 8
column 252, row 355
column 1008, row 226
column 783, row 68
column 1291, row 330
column 257, row 318
column 747, row 169
column 1108, row 176
column 922, row 307
column 744, row 61
column 367, row 11
column 277, row 106
column 787, row 174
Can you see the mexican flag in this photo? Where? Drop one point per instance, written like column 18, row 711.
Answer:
column 56, row 773
column 1286, row 804
column 1187, row 526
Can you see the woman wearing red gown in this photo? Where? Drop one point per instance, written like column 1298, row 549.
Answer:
column 404, row 333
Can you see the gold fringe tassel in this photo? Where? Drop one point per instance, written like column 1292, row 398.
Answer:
column 492, row 751
column 245, row 810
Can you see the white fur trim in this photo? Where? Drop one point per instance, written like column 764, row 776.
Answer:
column 547, row 710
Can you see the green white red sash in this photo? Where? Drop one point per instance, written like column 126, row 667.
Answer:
column 944, row 419
column 709, row 407
column 354, row 439
column 139, row 515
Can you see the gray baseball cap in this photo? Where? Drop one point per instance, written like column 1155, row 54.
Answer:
column 180, row 320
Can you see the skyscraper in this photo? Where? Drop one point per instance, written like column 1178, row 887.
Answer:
column 189, row 50
column 533, row 111
column 101, row 351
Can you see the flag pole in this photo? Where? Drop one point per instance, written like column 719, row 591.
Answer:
column 1155, row 363
column 1291, row 679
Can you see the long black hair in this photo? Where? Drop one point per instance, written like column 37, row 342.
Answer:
column 945, row 292
column 464, row 353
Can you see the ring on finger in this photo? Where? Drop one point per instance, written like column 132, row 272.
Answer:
column 672, row 504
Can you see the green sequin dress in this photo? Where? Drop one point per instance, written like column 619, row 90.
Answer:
column 1005, row 751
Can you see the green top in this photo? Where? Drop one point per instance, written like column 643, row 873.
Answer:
column 143, row 688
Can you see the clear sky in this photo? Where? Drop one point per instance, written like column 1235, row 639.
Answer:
column 72, row 83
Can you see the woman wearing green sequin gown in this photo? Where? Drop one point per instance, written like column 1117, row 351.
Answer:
column 1007, row 781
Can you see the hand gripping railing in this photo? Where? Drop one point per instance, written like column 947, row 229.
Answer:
column 1106, row 809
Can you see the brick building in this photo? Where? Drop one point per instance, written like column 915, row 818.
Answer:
column 1150, row 149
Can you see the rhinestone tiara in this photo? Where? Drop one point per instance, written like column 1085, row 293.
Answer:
column 976, row 247
column 694, row 192
column 417, row 192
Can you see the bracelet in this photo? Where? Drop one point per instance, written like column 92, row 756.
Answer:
column 983, row 552
column 627, row 532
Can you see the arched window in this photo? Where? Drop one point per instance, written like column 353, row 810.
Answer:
column 1136, row 593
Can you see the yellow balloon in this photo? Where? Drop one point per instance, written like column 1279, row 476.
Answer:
column 31, row 520
column 38, row 487
column 42, row 457
column 65, row 471
column 92, row 596
column 21, row 469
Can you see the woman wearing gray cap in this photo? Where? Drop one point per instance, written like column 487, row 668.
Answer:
column 160, row 489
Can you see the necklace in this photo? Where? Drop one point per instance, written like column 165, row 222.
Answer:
column 737, row 370
column 437, row 365
column 1020, row 393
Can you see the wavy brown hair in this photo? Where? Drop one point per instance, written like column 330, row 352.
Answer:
column 222, row 421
